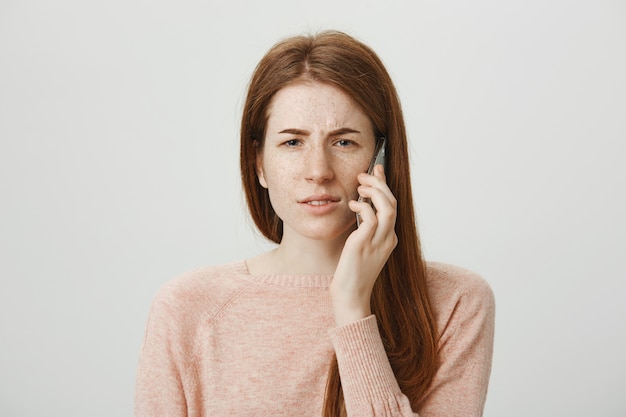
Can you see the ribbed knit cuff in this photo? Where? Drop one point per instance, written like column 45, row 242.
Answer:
column 366, row 375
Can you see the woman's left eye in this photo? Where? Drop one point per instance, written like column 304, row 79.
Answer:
column 292, row 143
column 344, row 142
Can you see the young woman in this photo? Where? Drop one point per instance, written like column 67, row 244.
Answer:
column 337, row 319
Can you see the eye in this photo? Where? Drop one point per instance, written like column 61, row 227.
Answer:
column 291, row 143
column 344, row 143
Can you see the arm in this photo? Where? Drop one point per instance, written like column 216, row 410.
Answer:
column 368, row 382
column 466, row 343
column 460, row 385
column 159, row 385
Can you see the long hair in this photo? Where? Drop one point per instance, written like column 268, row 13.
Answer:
column 400, row 295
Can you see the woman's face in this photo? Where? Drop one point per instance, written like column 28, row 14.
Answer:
column 317, row 141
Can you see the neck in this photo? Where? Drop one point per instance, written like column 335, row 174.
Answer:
column 313, row 257
column 300, row 256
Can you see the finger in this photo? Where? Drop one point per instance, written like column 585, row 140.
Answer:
column 379, row 171
column 379, row 239
column 385, row 211
column 368, row 221
column 377, row 179
column 382, row 199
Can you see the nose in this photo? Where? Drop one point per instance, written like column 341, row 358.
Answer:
column 318, row 165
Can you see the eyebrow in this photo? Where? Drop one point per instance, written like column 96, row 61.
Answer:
column 336, row 132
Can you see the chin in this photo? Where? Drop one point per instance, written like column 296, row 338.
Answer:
column 330, row 231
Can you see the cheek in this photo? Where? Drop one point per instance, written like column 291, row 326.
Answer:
column 279, row 173
column 348, row 172
column 274, row 170
column 351, row 167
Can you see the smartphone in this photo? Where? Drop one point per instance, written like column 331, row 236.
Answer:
column 378, row 158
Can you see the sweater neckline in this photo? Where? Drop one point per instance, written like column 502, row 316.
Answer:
column 285, row 280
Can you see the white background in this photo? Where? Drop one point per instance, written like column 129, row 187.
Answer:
column 119, row 170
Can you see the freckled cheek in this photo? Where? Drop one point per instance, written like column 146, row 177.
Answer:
column 349, row 172
column 354, row 164
column 280, row 170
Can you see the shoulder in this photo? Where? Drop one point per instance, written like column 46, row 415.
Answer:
column 201, row 292
column 463, row 305
column 445, row 279
column 458, row 294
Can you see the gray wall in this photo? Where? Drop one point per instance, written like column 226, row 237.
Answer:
column 119, row 170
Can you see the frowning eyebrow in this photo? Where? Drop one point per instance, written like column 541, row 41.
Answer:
column 336, row 132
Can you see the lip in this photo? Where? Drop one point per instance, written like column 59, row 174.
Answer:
column 320, row 198
column 320, row 204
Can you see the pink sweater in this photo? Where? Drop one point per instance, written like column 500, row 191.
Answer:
column 220, row 342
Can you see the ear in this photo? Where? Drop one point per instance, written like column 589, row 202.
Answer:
column 259, row 165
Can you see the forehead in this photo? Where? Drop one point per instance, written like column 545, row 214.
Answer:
column 316, row 104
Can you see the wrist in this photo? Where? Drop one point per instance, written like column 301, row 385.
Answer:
column 350, row 303
column 345, row 314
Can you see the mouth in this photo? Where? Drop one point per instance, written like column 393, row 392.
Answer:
column 319, row 200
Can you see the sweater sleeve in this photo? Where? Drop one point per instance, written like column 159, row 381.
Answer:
column 159, row 387
column 368, row 382
column 460, row 386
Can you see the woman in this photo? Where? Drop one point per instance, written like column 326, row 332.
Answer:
column 337, row 319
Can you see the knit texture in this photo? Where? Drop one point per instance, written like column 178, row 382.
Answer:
column 221, row 342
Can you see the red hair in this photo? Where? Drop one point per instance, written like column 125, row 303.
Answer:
column 400, row 296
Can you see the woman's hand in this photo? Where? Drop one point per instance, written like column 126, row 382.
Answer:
column 366, row 250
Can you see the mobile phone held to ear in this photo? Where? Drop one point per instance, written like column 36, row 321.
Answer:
column 377, row 159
